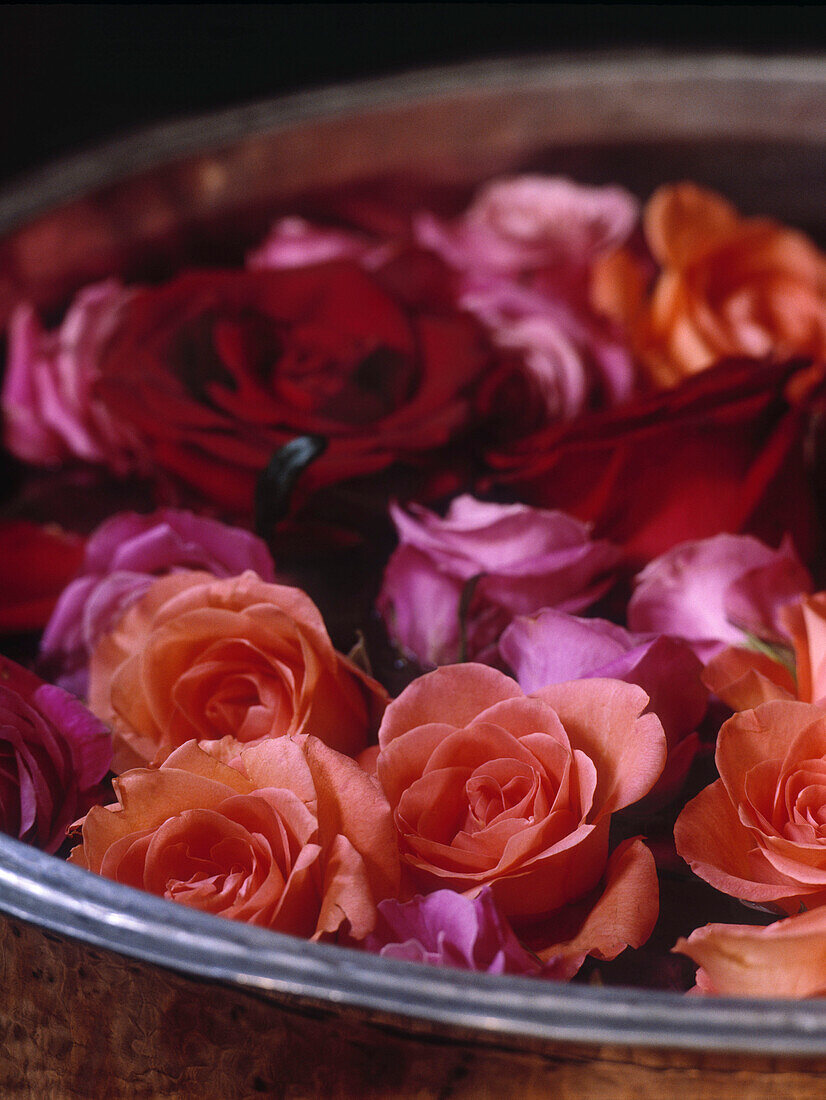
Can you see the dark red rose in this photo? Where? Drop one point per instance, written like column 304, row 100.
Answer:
column 37, row 563
column 724, row 451
column 216, row 370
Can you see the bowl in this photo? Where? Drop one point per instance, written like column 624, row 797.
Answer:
column 111, row 992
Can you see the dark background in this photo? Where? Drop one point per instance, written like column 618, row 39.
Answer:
column 74, row 74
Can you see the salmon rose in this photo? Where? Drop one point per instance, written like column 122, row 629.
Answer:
column 759, row 832
column 204, row 658
column 728, row 286
column 291, row 835
column 490, row 787
column 786, row 959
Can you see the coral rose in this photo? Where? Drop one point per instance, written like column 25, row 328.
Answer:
column 122, row 558
column 53, row 756
column 759, row 832
column 203, row 658
column 785, row 959
column 290, row 835
column 517, row 559
column 723, row 452
column 490, row 787
column 217, row 370
column 728, row 286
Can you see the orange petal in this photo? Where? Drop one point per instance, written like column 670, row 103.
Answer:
column 744, row 678
column 683, row 222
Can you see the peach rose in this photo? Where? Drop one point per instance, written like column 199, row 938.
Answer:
column 728, row 286
column 204, row 658
column 786, row 959
column 489, row 786
column 744, row 678
column 759, row 832
column 291, row 835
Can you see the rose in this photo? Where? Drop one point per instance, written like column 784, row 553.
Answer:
column 50, row 409
column 723, row 452
column 449, row 929
column 758, row 832
column 122, row 558
column 216, row 370
column 291, row 835
column 744, row 678
column 552, row 647
column 785, row 959
column 53, row 756
column 714, row 591
column 207, row 658
column 490, row 787
column 37, row 564
column 728, row 286
column 294, row 242
column 518, row 559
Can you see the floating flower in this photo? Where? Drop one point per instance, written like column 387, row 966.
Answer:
column 728, row 286
column 784, row 959
column 759, row 832
column 295, row 242
column 712, row 592
column 53, row 756
column 207, row 658
column 448, row 929
column 122, row 558
column 490, row 787
column 290, row 835
column 517, row 559
column 50, row 406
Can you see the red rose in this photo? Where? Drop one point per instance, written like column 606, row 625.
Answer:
column 722, row 452
column 216, row 370
column 38, row 563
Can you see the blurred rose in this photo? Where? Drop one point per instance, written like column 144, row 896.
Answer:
column 524, row 559
column 203, row 658
column 552, row 647
column 216, row 370
column 38, row 562
column 490, row 787
column 291, row 835
column 785, row 959
column 713, row 591
column 728, row 286
column 294, row 242
column 723, row 452
column 53, row 756
column 448, row 929
column 123, row 556
column 50, row 408
column 759, row 832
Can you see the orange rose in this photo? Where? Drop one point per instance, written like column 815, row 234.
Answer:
column 744, row 678
column 492, row 787
column 786, row 959
column 292, row 836
column 728, row 286
column 206, row 659
column 759, row 832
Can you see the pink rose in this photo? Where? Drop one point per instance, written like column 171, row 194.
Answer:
column 714, row 590
column 50, row 410
column 123, row 556
column 53, row 756
column 524, row 559
column 294, row 242
column 532, row 222
column 448, row 929
column 552, row 647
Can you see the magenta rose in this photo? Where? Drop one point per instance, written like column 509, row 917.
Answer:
column 501, row 560
column 714, row 591
column 294, row 242
column 50, row 410
column 53, row 756
column 446, row 928
column 552, row 647
column 122, row 559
